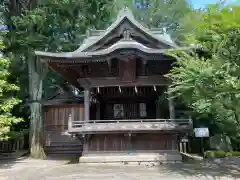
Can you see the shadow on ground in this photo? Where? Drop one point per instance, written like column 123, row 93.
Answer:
column 68, row 159
column 203, row 169
column 8, row 161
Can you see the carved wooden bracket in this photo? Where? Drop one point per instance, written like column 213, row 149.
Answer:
column 127, row 34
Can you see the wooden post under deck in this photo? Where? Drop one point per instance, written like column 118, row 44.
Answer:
column 85, row 145
column 86, row 116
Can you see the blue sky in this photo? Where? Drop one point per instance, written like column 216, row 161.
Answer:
column 201, row 3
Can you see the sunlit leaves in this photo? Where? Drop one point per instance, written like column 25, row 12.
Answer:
column 7, row 102
column 210, row 85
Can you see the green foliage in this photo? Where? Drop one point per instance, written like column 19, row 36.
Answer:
column 56, row 25
column 7, row 101
column 221, row 154
column 209, row 83
column 214, row 154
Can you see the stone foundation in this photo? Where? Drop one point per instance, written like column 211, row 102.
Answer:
column 136, row 158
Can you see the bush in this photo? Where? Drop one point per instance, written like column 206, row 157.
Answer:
column 221, row 154
column 236, row 153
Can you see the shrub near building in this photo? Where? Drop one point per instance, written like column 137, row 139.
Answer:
column 221, row 154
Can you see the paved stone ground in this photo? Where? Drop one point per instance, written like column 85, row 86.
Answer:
column 27, row 169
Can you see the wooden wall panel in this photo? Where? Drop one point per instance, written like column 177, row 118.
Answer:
column 137, row 142
column 127, row 69
column 103, row 142
column 158, row 141
column 56, row 123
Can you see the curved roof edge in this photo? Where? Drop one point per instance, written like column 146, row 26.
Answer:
column 117, row 46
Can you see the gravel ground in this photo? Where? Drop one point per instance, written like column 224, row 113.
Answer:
column 29, row 169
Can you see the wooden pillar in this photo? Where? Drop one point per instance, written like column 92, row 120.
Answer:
column 176, row 142
column 98, row 111
column 171, row 107
column 180, row 147
column 173, row 144
column 86, row 104
column 158, row 111
column 70, row 122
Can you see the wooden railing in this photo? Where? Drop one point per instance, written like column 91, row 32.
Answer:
column 128, row 125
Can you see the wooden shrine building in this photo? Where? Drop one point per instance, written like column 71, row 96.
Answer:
column 123, row 69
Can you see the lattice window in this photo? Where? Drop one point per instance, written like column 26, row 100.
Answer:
column 118, row 111
column 143, row 110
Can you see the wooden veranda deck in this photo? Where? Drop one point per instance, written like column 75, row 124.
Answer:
column 126, row 125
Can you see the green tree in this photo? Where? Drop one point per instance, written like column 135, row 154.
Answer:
column 7, row 99
column 209, row 82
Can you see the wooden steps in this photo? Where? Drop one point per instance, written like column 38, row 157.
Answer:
column 64, row 148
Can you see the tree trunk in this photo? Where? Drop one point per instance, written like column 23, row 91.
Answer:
column 16, row 7
column 36, row 122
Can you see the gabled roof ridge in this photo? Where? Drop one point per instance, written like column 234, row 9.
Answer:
column 124, row 13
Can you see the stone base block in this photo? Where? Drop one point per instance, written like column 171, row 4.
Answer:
column 138, row 158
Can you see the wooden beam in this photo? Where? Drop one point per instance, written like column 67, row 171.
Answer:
column 65, row 74
column 115, row 81
column 119, row 54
